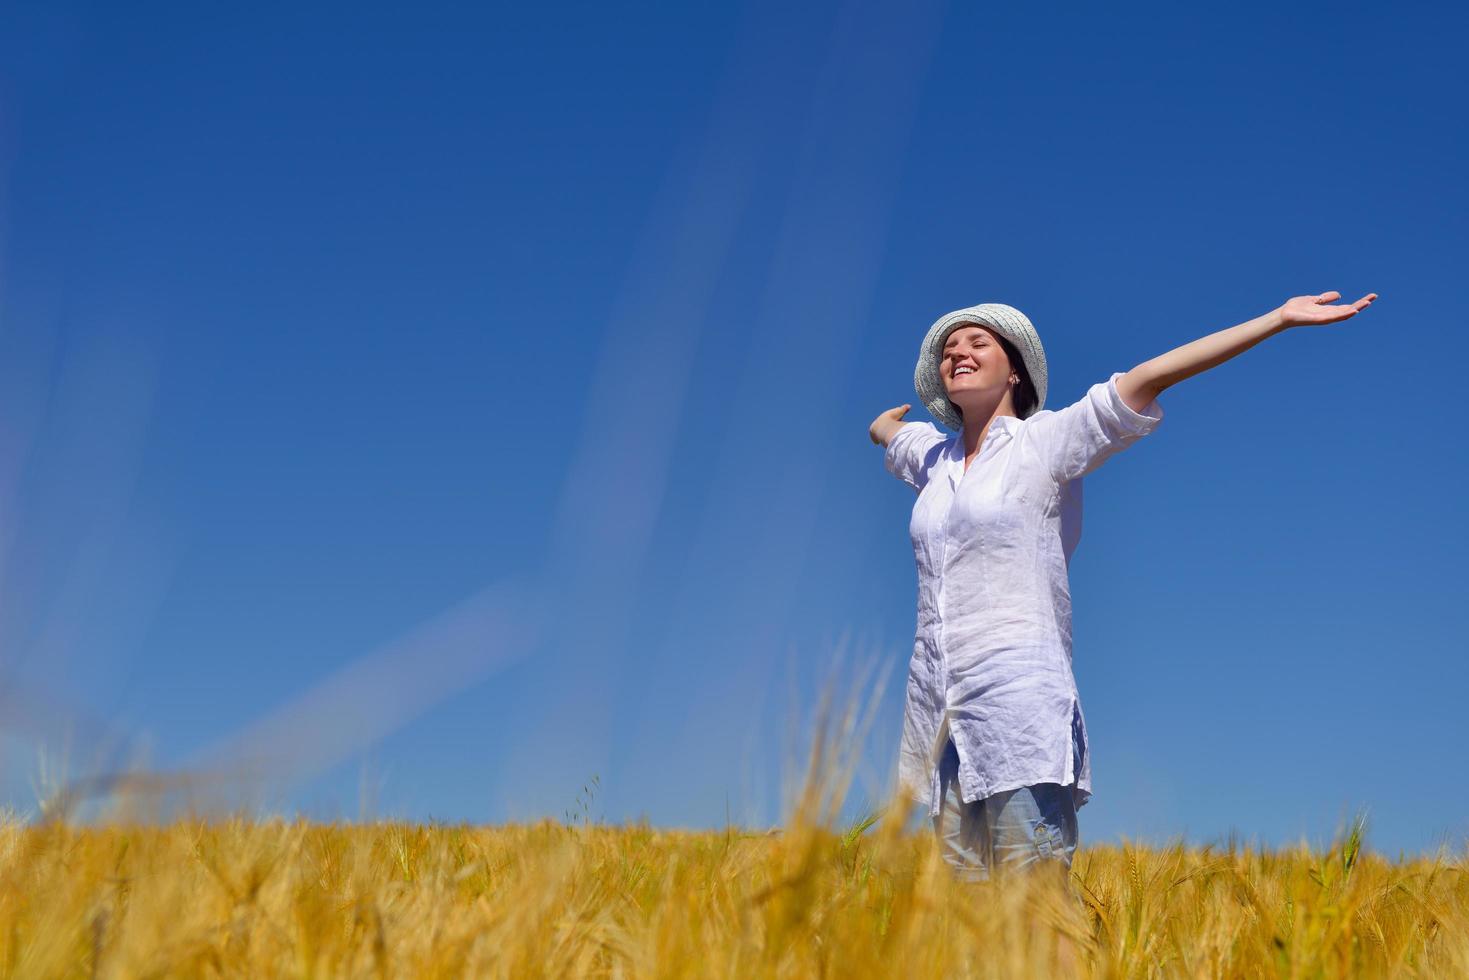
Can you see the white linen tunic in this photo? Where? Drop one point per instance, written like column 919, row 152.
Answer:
column 992, row 656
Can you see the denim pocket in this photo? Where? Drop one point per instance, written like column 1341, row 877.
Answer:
column 1054, row 824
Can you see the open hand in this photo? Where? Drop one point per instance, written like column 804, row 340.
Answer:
column 1313, row 311
column 886, row 425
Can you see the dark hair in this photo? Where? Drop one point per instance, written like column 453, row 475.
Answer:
column 1023, row 397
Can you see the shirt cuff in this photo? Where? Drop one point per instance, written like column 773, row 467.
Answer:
column 1132, row 422
column 889, row 452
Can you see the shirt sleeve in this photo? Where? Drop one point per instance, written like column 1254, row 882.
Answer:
column 910, row 453
column 1081, row 437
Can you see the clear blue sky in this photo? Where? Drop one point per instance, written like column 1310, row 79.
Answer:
column 447, row 404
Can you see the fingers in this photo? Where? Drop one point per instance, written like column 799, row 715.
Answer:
column 1325, row 312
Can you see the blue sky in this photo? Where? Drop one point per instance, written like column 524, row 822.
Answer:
column 439, row 405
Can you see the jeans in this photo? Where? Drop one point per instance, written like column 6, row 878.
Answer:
column 1019, row 829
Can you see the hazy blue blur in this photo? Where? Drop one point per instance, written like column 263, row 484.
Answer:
column 445, row 404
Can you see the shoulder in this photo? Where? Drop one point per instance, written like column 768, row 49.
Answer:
column 925, row 428
column 920, row 434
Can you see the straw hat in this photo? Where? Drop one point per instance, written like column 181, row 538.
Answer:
column 1004, row 320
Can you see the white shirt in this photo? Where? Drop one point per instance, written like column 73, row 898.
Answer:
column 992, row 656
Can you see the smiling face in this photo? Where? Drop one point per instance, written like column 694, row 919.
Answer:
column 974, row 367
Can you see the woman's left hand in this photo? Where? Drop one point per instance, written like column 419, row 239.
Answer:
column 1313, row 311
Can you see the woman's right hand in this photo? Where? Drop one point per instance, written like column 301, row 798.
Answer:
column 886, row 425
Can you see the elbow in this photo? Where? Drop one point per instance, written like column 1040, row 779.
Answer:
column 1139, row 388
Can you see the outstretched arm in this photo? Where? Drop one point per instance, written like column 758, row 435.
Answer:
column 908, row 446
column 1145, row 382
column 886, row 425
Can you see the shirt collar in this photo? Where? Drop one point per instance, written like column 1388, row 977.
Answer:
column 1005, row 425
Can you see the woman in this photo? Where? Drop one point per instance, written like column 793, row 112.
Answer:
column 994, row 741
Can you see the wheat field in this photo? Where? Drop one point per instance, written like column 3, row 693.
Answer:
column 201, row 896
column 297, row 899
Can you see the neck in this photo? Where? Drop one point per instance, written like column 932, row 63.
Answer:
column 982, row 419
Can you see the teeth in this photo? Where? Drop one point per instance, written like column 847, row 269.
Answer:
column 963, row 370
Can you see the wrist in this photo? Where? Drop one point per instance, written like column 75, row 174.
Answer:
column 1275, row 321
